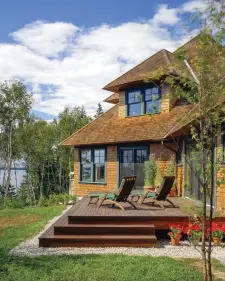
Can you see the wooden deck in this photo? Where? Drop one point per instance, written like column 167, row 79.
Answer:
column 86, row 225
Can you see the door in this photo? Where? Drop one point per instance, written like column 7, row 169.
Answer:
column 192, row 184
column 132, row 163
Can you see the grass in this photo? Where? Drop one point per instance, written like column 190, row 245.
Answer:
column 83, row 268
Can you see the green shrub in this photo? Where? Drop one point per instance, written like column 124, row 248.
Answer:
column 18, row 202
column 56, row 199
column 150, row 171
column 170, row 170
column 12, row 203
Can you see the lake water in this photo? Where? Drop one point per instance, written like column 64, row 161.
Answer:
column 15, row 174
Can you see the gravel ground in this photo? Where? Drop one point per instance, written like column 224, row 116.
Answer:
column 163, row 248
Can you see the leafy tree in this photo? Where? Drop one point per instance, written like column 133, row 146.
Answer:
column 15, row 104
column 199, row 80
column 99, row 111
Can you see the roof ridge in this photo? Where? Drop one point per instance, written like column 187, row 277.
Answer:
column 61, row 143
column 192, row 39
column 161, row 51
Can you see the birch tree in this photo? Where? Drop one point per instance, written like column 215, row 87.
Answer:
column 196, row 76
column 15, row 105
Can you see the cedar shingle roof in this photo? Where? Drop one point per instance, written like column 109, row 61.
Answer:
column 160, row 59
column 114, row 98
column 109, row 128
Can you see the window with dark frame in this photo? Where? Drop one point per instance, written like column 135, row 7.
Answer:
column 86, row 165
column 143, row 101
column 92, row 165
column 179, row 155
column 99, row 165
column 134, row 103
column 152, row 100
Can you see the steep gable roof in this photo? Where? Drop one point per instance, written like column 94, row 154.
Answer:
column 109, row 128
column 161, row 58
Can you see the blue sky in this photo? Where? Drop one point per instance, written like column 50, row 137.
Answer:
column 66, row 51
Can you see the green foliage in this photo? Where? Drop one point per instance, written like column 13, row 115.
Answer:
column 150, row 172
column 19, row 201
column 170, row 170
column 11, row 203
column 57, row 199
column 99, row 111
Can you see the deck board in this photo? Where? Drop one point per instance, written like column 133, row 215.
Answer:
column 82, row 213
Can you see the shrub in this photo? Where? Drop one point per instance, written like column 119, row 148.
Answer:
column 150, row 172
column 57, row 199
column 11, row 203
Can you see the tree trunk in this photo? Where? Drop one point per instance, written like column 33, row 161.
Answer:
column 204, row 210
column 9, row 165
column 211, row 195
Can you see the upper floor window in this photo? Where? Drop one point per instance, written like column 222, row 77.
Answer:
column 143, row 101
column 152, row 100
column 134, row 103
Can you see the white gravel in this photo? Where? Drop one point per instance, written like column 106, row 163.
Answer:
column 31, row 248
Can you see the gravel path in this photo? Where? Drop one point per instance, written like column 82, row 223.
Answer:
column 163, row 248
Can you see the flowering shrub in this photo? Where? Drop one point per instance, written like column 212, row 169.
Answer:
column 218, row 231
column 194, row 231
column 176, row 231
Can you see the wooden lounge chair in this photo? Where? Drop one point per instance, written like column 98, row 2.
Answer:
column 121, row 196
column 159, row 196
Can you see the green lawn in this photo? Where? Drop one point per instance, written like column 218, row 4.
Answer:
column 17, row 225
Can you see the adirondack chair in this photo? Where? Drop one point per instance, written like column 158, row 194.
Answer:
column 158, row 196
column 119, row 197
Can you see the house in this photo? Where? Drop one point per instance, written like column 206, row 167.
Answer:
column 143, row 120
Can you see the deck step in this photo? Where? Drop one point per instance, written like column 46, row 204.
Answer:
column 108, row 220
column 98, row 241
column 101, row 229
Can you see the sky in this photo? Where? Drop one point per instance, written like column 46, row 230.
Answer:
column 66, row 51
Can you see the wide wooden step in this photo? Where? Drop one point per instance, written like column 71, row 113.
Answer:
column 102, row 229
column 108, row 220
column 98, row 241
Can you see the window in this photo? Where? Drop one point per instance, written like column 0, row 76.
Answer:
column 152, row 100
column 86, row 165
column 143, row 101
column 99, row 165
column 179, row 154
column 134, row 103
column 92, row 165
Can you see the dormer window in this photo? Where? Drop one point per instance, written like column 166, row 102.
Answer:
column 143, row 101
column 152, row 100
column 134, row 103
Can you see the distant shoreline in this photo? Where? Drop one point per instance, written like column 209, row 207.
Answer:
column 21, row 169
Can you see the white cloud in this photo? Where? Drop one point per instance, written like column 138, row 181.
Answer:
column 193, row 5
column 166, row 16
column 64, row 65
column 47, row 39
